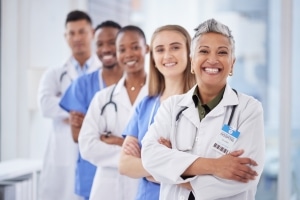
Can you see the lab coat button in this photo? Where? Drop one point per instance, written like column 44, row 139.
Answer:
column 197, row 139
column 181, row 197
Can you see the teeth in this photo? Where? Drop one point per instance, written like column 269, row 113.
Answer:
column 107, row 57
column 169, row 64
column 131, row 63
column 211, row 70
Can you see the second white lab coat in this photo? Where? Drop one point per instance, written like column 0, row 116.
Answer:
column 57, row 179
column 108, row 182
column 191, row 139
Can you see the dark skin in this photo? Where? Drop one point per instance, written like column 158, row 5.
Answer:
column 111, row 71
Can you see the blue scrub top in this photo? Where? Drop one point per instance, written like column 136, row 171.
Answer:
column 137, row 127
column 77, row 98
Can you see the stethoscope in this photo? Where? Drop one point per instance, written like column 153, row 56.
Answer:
column 179, row 114
column 108, row 103
column 64, row 74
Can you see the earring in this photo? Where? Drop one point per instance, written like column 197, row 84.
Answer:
column 230, row 74
column 192, row 71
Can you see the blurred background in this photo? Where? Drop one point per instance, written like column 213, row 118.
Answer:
column 267, row 67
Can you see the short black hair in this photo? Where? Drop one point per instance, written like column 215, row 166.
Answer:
column 135, row 29
column 108, row 23
column 77, row 15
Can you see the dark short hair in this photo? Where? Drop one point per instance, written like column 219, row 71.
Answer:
column 134, row 29
column 108, row 23
column 77, row 15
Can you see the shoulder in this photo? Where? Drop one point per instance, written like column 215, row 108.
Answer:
column 248, row 103
column 108, row 91
column 147, row 102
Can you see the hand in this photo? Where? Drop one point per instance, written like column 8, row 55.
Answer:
column 112, row 139
column 76, row 119
column 187, row 186
column 66, row 121
column 132, row 148
column 165, row 142
column 233, row 167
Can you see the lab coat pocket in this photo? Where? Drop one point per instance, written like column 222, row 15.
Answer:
column 184, row 137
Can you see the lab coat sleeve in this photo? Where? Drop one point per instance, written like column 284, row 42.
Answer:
column 90, row 145
column 250, row 124
column 164, row 164
column 49, row 95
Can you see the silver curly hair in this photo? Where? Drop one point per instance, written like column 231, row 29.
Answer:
column 212, row 26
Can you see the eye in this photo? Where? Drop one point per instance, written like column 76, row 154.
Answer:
column 203, row 51
column 121, row 50
column 135, row 47
column 71, row 34
column 159, row 50
column 82, row 31
column 176, row 47
column 99, row 44
column 223, row 52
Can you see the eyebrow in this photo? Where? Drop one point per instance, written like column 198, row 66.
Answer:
column 218, row 47
column 173, row 43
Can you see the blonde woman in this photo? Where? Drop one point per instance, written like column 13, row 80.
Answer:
column 170, row 74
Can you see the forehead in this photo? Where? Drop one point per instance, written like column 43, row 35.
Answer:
column 209, row 39
column 167, row 37
column 106, row 32
column 79, row 24
column 128, row 37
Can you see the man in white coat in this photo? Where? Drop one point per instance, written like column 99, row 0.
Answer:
column 57, row 178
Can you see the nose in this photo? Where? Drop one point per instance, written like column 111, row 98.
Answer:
column 212, row 59
column 167, row 54
column 77, row 37
column 106, row 48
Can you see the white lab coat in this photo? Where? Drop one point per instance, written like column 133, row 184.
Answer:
column 108, row 182
column 57, row 179
column 192, row 139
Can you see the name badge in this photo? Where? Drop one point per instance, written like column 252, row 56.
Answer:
column 225, row 140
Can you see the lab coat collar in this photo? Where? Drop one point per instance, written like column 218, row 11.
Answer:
column 71, row 69
column 230, row 98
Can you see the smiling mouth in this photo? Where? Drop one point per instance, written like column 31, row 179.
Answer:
column 211, row 70
column 107, row 57
column 169, row 64
column 130, row 63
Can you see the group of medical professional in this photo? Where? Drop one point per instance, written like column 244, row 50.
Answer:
column 178, row 132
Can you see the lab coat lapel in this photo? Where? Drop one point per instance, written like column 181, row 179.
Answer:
column 71, row 70
column 191, row 113
column 95, row 64
column 229, row 99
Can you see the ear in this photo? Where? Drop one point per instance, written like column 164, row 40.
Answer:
column 147, row 48
column 232, row 64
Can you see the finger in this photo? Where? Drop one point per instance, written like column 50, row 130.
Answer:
column 237, row 153
column 248, row 161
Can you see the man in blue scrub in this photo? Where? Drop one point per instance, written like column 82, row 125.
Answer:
column 80, row 93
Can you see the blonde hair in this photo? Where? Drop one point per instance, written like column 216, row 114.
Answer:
column 156, row 79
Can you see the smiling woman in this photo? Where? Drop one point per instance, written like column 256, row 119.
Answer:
column 32, row 39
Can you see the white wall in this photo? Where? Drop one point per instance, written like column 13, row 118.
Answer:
column 32, row 40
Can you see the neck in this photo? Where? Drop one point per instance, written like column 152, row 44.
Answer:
column 112, row 71
column 82, row 58
column 173, row 87
column 135, row 80
column 208, row 93
column 112, row 75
